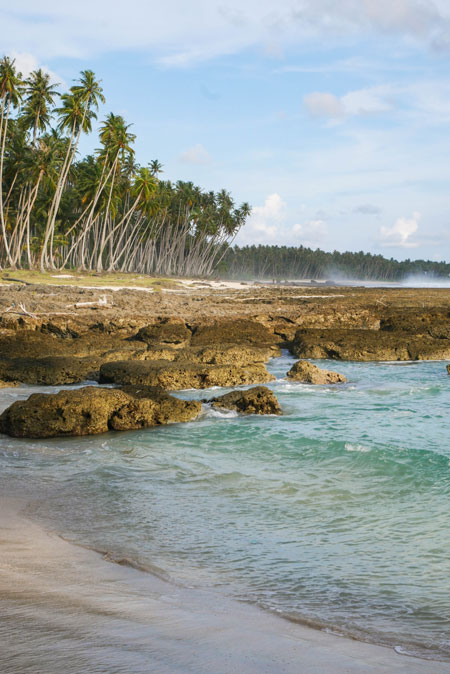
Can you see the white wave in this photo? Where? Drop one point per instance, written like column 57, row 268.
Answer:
column 356, row 448
column 215, row 413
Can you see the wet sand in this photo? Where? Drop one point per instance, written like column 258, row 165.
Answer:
column 67, row 609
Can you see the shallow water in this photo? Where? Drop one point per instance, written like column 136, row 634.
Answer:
column 336, row 513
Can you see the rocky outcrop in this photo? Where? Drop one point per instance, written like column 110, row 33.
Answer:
column 8, row 384
column 257, row 400
column 434, row 323
column 236, row 331
column 368, row 345
column 173, row 376
column 167, row 332
column 50, row 371
column 42, row 345
column 220, row 354
column 91, row 410
column 308, row 373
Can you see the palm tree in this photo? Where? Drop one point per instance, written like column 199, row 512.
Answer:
column 116, row 145
column 155, row 167
column 40, row 95
column 10, row 96
column 75, row 115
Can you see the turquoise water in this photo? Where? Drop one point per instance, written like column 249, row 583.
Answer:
column 336, row 513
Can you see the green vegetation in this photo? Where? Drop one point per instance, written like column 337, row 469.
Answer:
column 282, row 262
column 103, row 212
column 106, row 213
column 87, row 279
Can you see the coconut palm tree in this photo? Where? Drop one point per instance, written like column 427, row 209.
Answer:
column 10, row 97
column 155, row 167
column 40, row 95
column 75, row 115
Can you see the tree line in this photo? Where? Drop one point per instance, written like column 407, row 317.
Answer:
column 103, row 211
column 285, row 262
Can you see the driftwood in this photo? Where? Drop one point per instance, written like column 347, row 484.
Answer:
column 102, row 302
column 16, row 280
column 21, row 311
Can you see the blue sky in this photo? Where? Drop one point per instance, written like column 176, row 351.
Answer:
column 331, row 118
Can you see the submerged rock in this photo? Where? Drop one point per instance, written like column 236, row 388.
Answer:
column 368, row 345
column 257, row 400
column 181, row 375
column 308, row 373
column 91, row 410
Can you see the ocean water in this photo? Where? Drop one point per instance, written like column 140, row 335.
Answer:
column 336, row 514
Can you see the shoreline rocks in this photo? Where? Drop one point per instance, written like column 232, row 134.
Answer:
column 257, row 400
column 92, row 410
column 174, row 376
column 168, row 332
column 368, row 345
column 49, row 371
column 220, row 354
column 308, row 373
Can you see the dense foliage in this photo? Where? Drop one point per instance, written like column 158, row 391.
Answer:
column 282, row 262
column 101, row 212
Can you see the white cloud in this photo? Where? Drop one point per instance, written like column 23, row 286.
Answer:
column 207, row 29
column 400, row 233
column 367, row 101
column 321, row 104
column 266, row 219
column 196, row 155
column 269, row 224
column 360, row 102
column 266, row 222
column 310, row 233
column 26, row 63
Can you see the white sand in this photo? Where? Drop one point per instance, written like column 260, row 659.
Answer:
column 67, row 610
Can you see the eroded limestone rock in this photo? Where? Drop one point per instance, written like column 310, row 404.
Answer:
column 167, row 332
column 219, row 354
column 308, row 373
column 8, row 384
column 174, row 375
column 236, row 331
column 368, row 345
column 49, row 371
column 92, row 410
column 257, row 400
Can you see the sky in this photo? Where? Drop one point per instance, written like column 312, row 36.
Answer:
column 332, row 119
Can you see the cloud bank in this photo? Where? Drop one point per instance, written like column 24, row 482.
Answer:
column 355, row 103
column 208, row 29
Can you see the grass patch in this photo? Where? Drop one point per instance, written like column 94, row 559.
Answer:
column 88, row 279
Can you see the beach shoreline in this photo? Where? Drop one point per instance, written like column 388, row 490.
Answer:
column 68, row 609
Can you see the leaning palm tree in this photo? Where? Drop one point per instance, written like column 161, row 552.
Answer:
column 10, row 96
column 40, row 95
column 116, row 147
column 75, row 115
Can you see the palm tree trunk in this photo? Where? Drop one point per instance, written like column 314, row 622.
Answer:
column 3, row 130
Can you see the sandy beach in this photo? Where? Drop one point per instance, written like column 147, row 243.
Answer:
column 65, row 608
